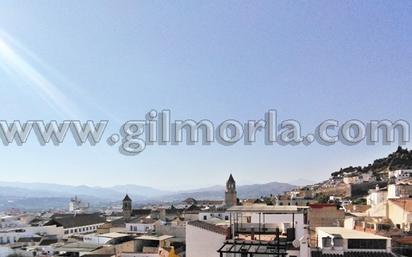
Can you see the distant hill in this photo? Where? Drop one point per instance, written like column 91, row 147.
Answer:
column 302, row 182
column 400, row 159
column 139, row 190
column 44, row 196
column 243, row 191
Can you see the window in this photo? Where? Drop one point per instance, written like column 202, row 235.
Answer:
column 326, row 242
column 367, row 244
column 384, row 227
column 204, row 217
column 338, row 242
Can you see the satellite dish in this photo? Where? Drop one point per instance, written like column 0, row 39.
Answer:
column 296, row 243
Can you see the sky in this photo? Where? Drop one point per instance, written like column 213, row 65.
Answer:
column 216, row 60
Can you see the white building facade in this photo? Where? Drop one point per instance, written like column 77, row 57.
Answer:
column 203, row 240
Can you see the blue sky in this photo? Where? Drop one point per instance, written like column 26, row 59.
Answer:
column 117, row 60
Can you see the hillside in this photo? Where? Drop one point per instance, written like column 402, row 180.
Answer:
column 400, row 159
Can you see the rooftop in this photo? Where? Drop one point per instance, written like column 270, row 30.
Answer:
column 352, row 254
column 254, row 248
column 76, row 220
column 154, row 238
column 77, row 247
column 405, row 204
column 113, row 235
column 267, row 208
column 349, row 233
column 210, row 227
column 48, row 241
column 322, row 205
column 357, row 207
column 142, row 220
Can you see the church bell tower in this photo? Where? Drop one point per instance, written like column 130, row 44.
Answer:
column 127, row 207
column 230, row 193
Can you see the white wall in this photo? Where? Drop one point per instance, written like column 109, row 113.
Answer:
column 140, row 227
column 376, row 198
column 393, row 191
column 4, row 251
column 349, row 223
column 282, row 219
column 210, row 215
column 96, row 239
column 202, row 243
column 81, row 230
column 322, row 234
column 401, row 174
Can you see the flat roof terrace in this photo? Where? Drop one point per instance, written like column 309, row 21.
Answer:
column 349, row 233
column 267, row 209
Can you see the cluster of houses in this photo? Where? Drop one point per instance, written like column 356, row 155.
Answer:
column 294, row 226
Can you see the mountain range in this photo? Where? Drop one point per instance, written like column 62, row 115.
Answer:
column 45, row 196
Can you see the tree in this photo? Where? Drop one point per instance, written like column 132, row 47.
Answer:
column 322, row 198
